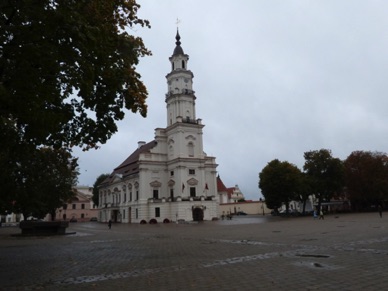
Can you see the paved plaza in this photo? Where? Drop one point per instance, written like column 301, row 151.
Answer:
column 342, row 252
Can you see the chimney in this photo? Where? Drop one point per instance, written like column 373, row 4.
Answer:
column 140, row 144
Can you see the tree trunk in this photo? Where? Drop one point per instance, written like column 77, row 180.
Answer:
column 53, row 215
column 304, row 206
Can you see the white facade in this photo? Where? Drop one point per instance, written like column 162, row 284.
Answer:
column 170, row 178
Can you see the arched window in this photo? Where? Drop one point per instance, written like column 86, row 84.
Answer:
column 171, row 150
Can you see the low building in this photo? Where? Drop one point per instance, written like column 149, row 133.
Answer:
column 232, row 201
column 79, row 208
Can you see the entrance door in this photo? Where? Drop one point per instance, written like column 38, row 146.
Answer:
column 197, row 214
column 115, row 215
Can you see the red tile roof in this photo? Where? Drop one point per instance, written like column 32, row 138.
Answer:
column 220, row 185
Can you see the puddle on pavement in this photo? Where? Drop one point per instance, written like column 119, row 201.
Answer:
column 315, row 265
column 312, row 256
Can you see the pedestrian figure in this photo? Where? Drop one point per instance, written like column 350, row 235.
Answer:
column 380, row 209
column 321, row 215
column 110, row 223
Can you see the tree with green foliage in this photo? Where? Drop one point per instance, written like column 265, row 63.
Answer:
column 67, row 69
column 67, row 75
column 43, row 181
column 279, row 183
column 97, row 183
column 366, row 179
column 326, row 174
column 305, row 190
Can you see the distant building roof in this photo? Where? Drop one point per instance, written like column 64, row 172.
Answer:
column 220, row 185
column 130, row 165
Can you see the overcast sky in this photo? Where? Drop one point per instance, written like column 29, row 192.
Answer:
column 273, row 79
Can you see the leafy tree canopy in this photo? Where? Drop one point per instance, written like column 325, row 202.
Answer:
column 366, row 178
column 98, row 181
column 326, row 173
column 279, row 183
column 67, row 69
column 43, row 181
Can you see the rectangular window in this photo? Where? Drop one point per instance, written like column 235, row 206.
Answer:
column 73, row 206
column 157, row 211
column 130, row 196
column 191, row 172
column 137, row 195
column 172, row 173
column 125, row 197
column 137, row 213
column 192, row 191
column 156, row 194
column 123, row 213
column 82, row 206
column 172, row 194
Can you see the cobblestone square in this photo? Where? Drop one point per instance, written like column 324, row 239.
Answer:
column 342, row 252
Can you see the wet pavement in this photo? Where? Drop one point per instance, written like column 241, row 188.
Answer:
column 343, row 252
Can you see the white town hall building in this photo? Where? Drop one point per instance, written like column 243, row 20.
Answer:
column 170, row 178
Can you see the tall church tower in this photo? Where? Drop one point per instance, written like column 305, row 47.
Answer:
column 186, row 159
column 180, row 96
column 170, row 178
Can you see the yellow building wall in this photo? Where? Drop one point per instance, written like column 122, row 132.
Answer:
column 255, row 207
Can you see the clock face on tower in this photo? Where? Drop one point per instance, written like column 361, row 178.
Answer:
column 186, row 80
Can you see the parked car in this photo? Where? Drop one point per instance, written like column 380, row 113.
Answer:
column 93, row 219
column 73, row 219
column 291, row 212
column 241, row 213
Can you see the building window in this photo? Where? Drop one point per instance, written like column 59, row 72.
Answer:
column 172, row 173
column 82, row 206
column 73, row 206
column 156, row 194
column 157, row 211
column 125, row 197
column 130, row 196
column 172, row 194
column 82, row 215
column 64, row 206
column 191, row 172
column 123, row 213
column 183, row 64
column 190, row 149
column 192, row 191
column 137, row 195
column 137, row 213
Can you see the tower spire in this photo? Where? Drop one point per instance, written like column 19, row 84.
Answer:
column 178, row 38
column 178, row 49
